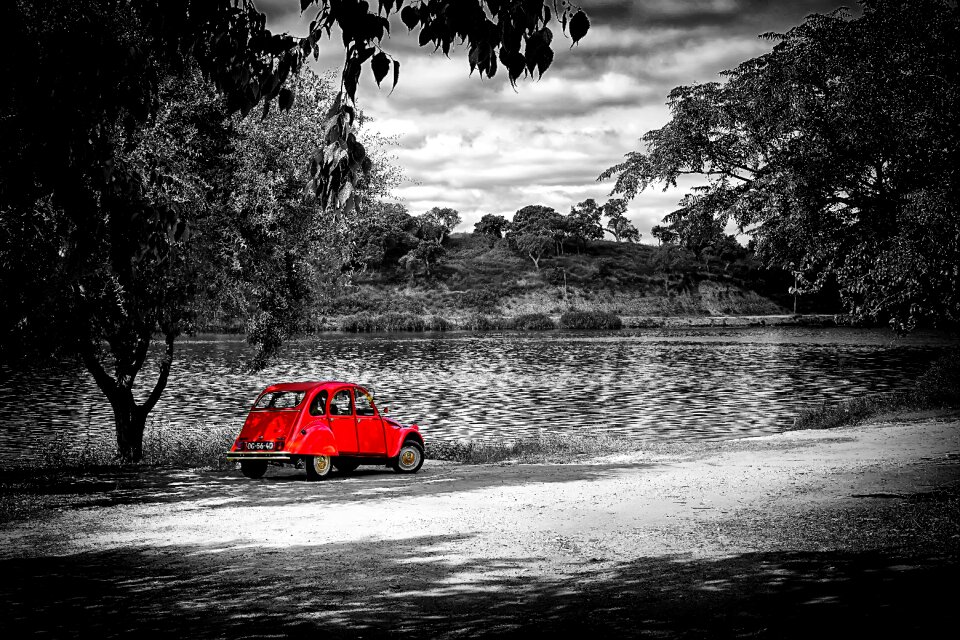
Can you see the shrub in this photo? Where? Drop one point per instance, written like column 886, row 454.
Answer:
column 533, row 322
column 438, row 323
column 481, row 322
column 940, row 384
column 359, row 322
column 937, row 387
column 392, row 321
column 396, row 321
column 590, row 320
column 479, row 299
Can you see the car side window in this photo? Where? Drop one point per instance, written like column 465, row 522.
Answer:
column 318, row 406
column 341, row 405
column 365, row 404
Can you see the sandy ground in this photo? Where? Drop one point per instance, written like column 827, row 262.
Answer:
column 840, row 531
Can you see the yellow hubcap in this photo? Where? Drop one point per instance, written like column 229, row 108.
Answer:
column 408, row 457
column 320, row 463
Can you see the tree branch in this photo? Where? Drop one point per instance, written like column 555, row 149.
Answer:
column 165, row 363
column 107, row 384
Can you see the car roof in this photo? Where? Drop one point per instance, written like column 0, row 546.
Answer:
column 307, row 386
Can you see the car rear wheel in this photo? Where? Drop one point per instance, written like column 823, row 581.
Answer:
column 345, row 465
column 318, row 467
column 253, row 469
column 410, row 458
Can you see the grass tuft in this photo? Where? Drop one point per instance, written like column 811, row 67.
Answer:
column 200, row 447
column 546, row 448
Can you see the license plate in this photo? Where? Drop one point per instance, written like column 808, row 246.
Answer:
column 260, row 446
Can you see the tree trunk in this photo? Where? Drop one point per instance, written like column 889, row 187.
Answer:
column 129, row 418
column 130, row 421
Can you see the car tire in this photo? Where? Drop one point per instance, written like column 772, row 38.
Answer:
column 345, row 465
column 410, row 458
column 318, row 467
column 253, row 469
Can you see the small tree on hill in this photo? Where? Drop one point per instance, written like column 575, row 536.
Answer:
column 617, row 223
column 584, row 223
column 441, row 221
column 664, row 234
column 491, row 225
column 535, row 229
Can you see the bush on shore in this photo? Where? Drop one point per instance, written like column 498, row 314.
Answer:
column 482, row 322
column 533, row 322
column 590, row 320
column 937, row 388
column 392, row 321
column 365, row 322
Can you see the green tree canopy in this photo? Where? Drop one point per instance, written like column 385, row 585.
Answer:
column 838, row 151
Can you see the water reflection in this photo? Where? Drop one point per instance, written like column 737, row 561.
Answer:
column 706, row 383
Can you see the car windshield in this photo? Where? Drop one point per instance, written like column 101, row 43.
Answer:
column 279, row 400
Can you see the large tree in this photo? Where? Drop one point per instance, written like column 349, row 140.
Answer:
column 838, row 151
column 99, row 214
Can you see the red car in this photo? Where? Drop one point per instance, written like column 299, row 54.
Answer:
column 323, row 425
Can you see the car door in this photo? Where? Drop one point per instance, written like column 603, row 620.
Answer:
column 370, row 435
column 343, row 422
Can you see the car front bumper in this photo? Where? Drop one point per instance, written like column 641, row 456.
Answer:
column 270, row 456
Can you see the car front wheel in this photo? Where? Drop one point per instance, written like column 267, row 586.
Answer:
column 253, row 469
column 410, row 458
column 318, row 467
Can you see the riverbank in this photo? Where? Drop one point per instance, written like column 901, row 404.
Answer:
column 849, row 530
column 396, row 322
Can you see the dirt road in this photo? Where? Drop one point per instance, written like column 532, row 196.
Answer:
column 847, row 530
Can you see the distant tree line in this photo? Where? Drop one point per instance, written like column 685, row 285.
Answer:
column 537, row 230
column 387, row 235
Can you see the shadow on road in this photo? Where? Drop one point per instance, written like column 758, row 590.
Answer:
column 413, row 588
column 283, row 486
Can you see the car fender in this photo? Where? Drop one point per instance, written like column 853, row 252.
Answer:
column 406, row 433
column 315, row 439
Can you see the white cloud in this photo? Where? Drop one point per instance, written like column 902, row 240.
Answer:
column 481, row 146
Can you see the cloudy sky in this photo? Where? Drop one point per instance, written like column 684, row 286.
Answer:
column 481, row 146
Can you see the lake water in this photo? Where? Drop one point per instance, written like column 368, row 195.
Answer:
column 652, row 384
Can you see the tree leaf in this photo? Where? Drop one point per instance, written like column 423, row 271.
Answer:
column 410, row 17
column 380, row 66
column 579, row 25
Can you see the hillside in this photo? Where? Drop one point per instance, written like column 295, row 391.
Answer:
column 483, row 276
